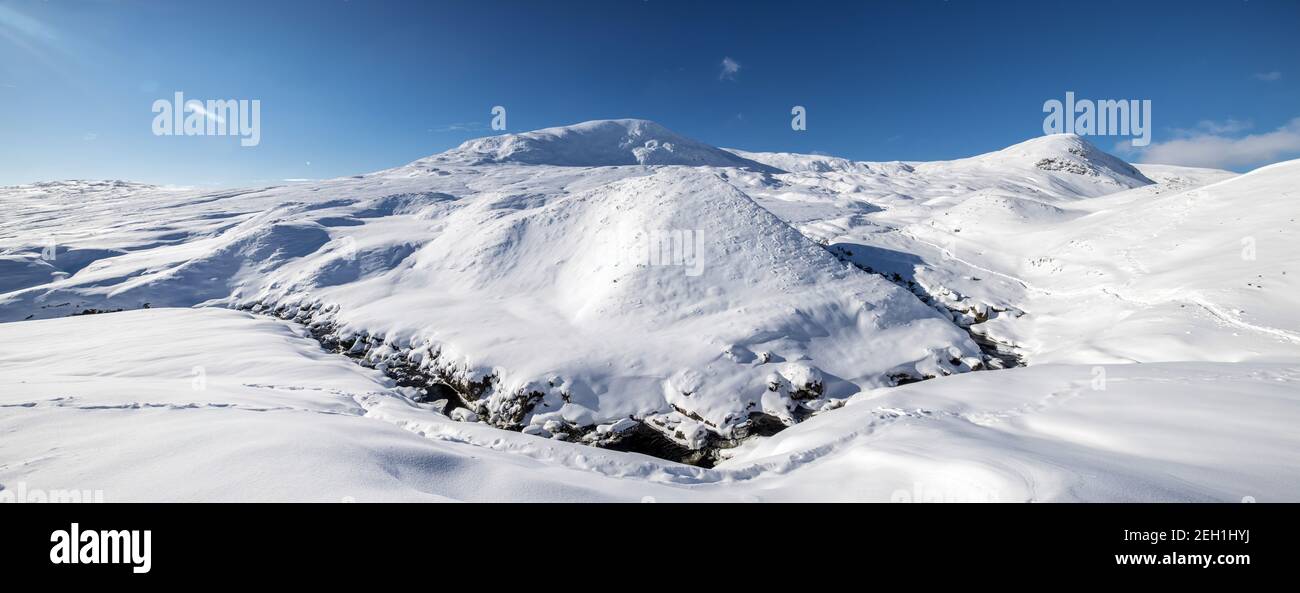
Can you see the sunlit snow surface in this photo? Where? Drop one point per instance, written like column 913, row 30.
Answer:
column 510, row 258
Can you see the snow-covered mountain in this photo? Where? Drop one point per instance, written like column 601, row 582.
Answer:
column 616, row 284
column 545, row 294
column 600, row 143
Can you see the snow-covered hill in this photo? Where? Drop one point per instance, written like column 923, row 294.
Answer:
column 617, row 284
column 545, row 294
column 1093, row 262
column 599, row 143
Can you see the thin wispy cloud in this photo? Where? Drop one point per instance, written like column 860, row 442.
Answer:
column 1220, row 150
column 730, row 68
column 13, row 23
column 473, row 126
column 197, row 107
column 1227, row 126
column 36, row 39
column 1268, row 76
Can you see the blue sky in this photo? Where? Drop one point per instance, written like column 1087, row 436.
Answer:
column 353, row 86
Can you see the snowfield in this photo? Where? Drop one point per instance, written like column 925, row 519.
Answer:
column 213, row 404
column 566, row 314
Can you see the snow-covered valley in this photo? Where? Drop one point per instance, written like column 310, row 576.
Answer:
column 532, row 316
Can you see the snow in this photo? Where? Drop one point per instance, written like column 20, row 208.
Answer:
column 118, row 409
column 598, row 144
column 614, row 275
column 1151, row 432
column 585, row 295
column 1200, row 274
column 1106, row 265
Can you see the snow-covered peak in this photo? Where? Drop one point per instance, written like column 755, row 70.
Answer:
column 1068, row 153
column 600, row 143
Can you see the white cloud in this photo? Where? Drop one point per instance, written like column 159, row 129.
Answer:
column 1227, row 126
column 1209, row 149
column 1268, row 76
column 730, row 68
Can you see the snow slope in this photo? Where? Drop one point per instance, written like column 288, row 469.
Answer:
column 1203, row 274
column 1151, row 432
column 220, row 405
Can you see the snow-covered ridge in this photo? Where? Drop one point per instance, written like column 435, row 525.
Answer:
column 97, row 187
column 82, row 184
column 599, row 143
column 1071, row 160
